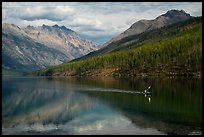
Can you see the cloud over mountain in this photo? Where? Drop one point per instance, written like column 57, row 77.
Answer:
column 91, row 19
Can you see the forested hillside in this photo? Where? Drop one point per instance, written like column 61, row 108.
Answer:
column 171, row 50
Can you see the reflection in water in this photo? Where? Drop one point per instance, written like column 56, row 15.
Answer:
column 100, row 105
column 148, row 96
column 149, row 99
column 176, row 107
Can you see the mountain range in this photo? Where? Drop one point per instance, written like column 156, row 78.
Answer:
column 131, row 35
column 33, row 48
column 171, row 44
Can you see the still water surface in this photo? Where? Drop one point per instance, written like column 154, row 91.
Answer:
column 101, row 105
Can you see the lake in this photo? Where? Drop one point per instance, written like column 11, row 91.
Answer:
column 101, row 105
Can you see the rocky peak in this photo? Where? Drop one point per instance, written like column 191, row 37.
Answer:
column 30, row 27
column 56, row 26
column 176, row 13
column 170, row 17
column 7, row 25
column 58, row 30
column 32, row 48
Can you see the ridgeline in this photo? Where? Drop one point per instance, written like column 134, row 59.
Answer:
column 174, row 50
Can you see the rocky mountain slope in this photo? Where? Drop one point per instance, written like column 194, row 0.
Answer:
column 170, row 17
column 132, row 34
column 175, row 50
column 32, row 48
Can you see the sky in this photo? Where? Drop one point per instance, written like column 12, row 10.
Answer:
column 96, row 21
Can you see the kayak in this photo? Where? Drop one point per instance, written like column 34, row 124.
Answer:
column 147, row 92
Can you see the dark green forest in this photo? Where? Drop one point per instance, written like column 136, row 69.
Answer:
column 169, row 51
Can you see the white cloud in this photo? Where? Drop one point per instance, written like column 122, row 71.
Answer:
column 91, row 19
column 39, row 22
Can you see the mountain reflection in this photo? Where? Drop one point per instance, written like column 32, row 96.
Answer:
column 99, row 106
column 28, row 104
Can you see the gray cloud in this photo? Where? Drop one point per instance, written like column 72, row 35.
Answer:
column 45, row 16
column 98, row 21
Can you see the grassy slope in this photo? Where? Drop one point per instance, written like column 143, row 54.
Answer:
column 173, row 50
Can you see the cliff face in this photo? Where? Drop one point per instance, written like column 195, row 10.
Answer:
column 32, row 48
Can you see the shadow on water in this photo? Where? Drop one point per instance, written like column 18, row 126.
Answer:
column 174, row 107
